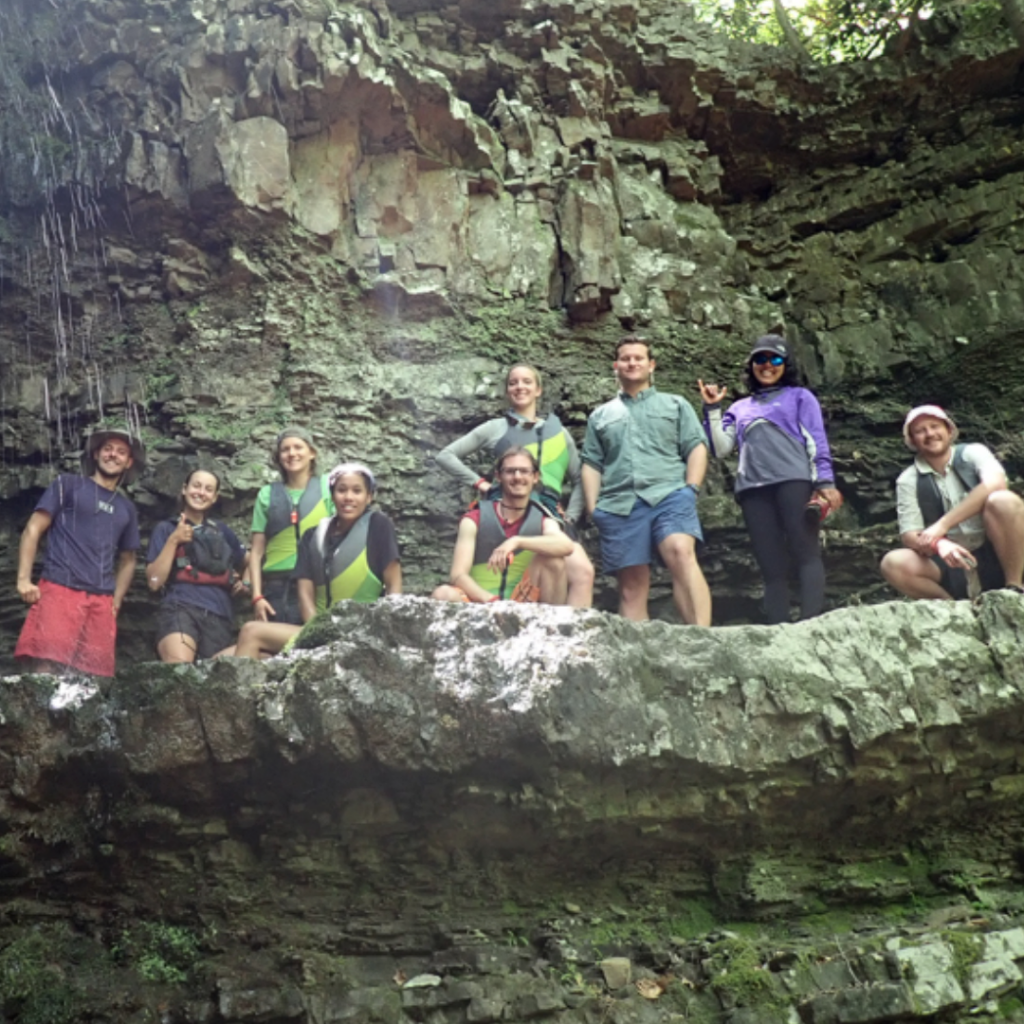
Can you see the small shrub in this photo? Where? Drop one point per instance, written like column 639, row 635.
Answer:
column 161, row 953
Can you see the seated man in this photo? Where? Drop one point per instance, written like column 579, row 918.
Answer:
column 962, row 530
column 510, row 548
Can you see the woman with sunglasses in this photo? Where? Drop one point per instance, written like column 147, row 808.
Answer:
column 784, row 483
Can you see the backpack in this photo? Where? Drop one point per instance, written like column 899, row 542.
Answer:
column 206, row 559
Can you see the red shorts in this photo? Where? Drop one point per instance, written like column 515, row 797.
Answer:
column 70, row 627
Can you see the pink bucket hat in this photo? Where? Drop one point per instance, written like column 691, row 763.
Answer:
column 927, row 410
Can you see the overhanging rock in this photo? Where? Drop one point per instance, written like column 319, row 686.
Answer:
column 513, row 729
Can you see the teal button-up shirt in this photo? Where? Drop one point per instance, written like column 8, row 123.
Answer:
column 640, row 446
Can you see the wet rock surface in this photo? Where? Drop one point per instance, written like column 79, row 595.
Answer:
column 448, row 814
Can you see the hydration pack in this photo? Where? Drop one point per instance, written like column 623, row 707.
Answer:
column 206, row 559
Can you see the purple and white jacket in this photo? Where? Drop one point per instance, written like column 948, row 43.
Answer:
column 780, row 436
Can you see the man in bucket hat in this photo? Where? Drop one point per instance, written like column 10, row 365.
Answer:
column 962, row 530
column 92, row 536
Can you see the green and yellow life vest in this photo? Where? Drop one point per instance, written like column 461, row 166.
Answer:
column 546, row 442
column 344, row 574
column 490, row 535
column 287, row 521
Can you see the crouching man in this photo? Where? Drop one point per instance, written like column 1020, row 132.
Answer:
column 510, row 548
column 962, row 530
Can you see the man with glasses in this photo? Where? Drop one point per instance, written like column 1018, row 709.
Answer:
column 509, row 549
column 644, row 459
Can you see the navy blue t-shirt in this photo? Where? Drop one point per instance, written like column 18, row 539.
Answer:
column 199, row 595
column 90, row 527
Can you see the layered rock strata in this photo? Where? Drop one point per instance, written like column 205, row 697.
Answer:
column 587, row 786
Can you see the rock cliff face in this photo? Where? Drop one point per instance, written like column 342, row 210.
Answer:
column 219, row 217
column 430, row 813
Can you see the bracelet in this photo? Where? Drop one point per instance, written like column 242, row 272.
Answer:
column 256, row 600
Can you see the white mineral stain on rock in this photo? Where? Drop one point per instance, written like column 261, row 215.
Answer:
column 72, row 693
column 472, row 650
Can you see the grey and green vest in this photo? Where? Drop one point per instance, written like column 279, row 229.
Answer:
column 285, row 529
column 929, row 497
column 546, row 442
column 490, row 535
column 344, row 575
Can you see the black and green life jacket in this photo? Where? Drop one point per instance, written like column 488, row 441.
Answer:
column 929, row 497
column 490, row 535
column 546, row 442
column 343, row 574
column 287, row 521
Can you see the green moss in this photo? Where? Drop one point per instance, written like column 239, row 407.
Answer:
column 695, row 921
column 159, row 952
column 318, row 632
column 1011, row 1007
column 32, row 984
column 322, row 969
column 738, row 975
column 607, row 933
column 967, row 951
column 831, row 922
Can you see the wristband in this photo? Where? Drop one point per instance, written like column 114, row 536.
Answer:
column 256, row 600
column 695, row 488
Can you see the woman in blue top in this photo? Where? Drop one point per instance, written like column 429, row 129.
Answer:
column 785, row 476
column 550, row 444
column 196, row 618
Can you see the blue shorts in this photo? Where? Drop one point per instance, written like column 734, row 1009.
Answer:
column 634, row 539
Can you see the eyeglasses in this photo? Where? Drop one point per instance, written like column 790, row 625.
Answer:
column 767, row 357
column 517, row 471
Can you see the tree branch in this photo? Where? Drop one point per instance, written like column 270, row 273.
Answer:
column 790, row 34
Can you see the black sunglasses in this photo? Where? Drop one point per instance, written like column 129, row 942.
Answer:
column 767, row 357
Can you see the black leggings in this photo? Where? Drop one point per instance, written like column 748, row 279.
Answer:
column 779, row 529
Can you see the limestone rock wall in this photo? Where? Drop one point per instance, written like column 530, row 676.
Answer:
column 220, row 216
column 430, row 813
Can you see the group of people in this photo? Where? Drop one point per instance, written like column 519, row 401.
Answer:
column 316, row 540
